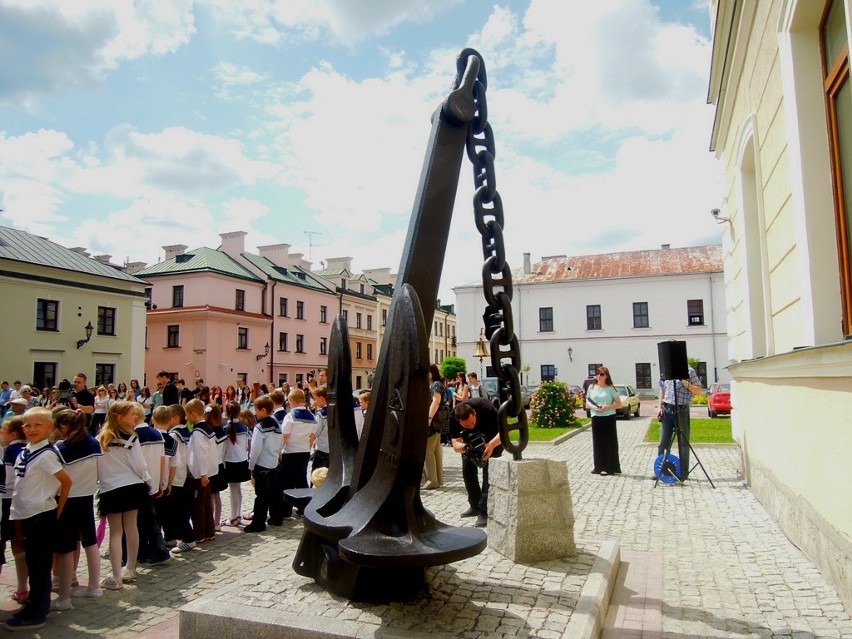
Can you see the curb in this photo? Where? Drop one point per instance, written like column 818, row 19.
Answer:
column 587, row 620
column 565, row 437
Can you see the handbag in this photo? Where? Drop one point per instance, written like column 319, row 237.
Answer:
column 440, row 420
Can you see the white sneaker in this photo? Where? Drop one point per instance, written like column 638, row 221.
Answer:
column 83, row 591
column 183, row 547
column 61, row 604
column 127, row 574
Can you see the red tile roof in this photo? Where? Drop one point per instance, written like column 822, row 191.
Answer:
column 693, row 259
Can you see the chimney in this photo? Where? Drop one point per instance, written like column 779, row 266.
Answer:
column 173, row 250
column 380, row 275
column 131, row 268
column 296, row 259
column 233, row 243
column 527, row 265
column 335, row 263
column 665, row 247
column 278, row 254
column 102, row 258
column 80, row 251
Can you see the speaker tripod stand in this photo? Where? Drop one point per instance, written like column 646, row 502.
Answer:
column 666, row 467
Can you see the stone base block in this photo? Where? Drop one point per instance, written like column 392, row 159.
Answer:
column 530, row 513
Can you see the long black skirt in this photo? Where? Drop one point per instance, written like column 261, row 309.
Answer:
column 605, row 445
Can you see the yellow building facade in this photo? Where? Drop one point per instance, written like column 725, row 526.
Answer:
column 783, row 133
column 50, row 295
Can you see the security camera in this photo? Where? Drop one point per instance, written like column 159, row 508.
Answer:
column 715, row 212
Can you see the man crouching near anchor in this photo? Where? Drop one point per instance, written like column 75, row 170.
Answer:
column 476, row 435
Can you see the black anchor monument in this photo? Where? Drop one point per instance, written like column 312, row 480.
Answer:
column 367, row 535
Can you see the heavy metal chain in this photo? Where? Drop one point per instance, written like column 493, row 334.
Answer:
column 496, row 274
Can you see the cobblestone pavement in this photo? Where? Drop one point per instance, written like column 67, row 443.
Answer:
column 725, row 568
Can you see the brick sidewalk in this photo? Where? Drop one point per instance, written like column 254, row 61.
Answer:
column 696, row 562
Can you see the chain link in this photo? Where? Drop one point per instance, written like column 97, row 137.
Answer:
column 496, row 274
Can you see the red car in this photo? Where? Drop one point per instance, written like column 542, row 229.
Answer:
column 719, row 400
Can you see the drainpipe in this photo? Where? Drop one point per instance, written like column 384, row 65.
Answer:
column 272, row 335
column 713, row 330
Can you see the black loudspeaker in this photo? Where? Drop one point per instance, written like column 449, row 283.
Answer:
column 673, row 362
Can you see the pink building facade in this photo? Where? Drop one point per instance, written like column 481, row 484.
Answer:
column 223, row 314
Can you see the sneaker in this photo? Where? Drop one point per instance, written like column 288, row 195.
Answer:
column 61, row 604
column 184, row 546
column 110, row 583
column 19, row 623
column 83, row 591
column 171, row 543
column 481, row 521
column 128, row 575
column 470, row 512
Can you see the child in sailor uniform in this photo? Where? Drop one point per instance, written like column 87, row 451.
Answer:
column 79, row 452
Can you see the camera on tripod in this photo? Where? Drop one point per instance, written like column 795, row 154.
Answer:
column 64, row 389
column 474, row 448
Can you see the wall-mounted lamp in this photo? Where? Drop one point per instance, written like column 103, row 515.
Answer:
column 570, row 354
column 89, row 328
column 265, row 353
column 717, row 216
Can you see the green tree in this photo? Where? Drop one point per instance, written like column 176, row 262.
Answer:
column 451, row 366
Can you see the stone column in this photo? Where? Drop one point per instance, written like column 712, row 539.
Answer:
column 530, row 513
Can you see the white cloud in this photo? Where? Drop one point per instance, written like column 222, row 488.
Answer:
column 52, row 45
column 240, row 211
column 164, row 179
column 600, row 125
column 355, row 148
column 137, row 232
column 231, row 74
column 281, row 22
column 176, row 160
column 571, row 146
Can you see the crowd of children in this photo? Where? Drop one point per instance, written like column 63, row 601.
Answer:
column 156, row 487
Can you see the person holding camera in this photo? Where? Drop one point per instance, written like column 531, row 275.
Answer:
column 476, row 435
column 81, row 398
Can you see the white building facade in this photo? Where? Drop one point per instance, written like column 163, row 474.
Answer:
column 574, row 314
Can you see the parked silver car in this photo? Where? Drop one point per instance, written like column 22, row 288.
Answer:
column 490, row 386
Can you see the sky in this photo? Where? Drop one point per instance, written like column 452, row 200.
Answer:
column 126, row 126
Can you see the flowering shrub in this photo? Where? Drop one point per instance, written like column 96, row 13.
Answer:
column 553, row 406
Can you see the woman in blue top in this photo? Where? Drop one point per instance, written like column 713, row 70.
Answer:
column 602, row 400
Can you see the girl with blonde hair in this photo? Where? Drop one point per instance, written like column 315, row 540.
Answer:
column 122, row 473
